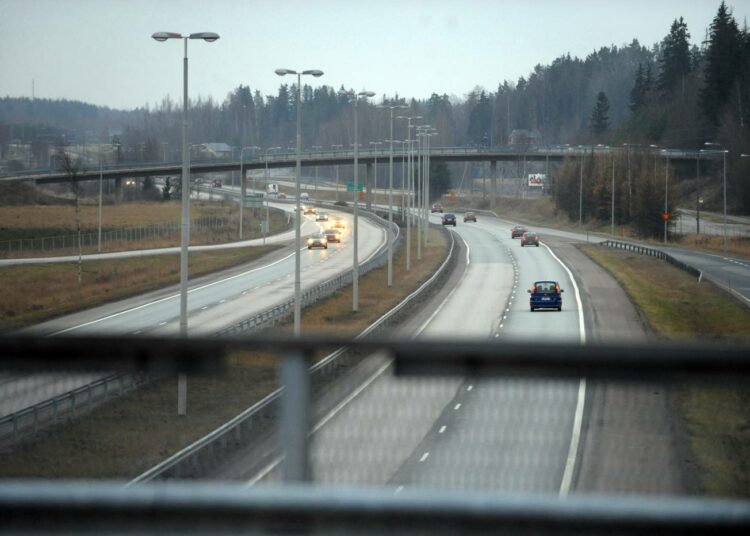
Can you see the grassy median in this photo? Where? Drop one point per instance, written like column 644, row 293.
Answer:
column 676, row 306
column 125, row 436
column 42, row 291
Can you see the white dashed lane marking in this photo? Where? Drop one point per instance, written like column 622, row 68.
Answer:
column 424, row 456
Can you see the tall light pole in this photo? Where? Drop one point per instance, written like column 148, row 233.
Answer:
column 390, row 188
column 580, row 191
column 209, row 37
column 355, row 97
column 630, row 184
column 410, row 187
column 298, row 210
column 665, row 216
column 375, row 194
column 613, row 193
column 243, row 187
column 724, row 152
column 339, row 146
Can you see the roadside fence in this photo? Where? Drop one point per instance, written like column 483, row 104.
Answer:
column 48, row 244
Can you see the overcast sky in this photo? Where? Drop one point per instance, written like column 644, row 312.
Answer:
column 101, row 51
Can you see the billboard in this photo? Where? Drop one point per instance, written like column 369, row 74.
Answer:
column 536, row 180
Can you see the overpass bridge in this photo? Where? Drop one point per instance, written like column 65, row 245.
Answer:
column 341, row 157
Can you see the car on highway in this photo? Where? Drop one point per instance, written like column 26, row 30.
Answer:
column 339, row 224
column 529, row 239
column 322, row 216
column 517, row 231
column 218, row 183
column 449, row 219
column 309, row 210
column 318, row 240
column 437, row 207
column 470, row 216
column 281, row 195
column 304, row 196
column 333, row 235
column 545, row 295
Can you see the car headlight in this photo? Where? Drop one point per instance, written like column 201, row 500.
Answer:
column 309, row 241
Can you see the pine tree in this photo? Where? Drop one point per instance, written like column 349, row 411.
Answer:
column 600, row 115
column 674, row 63
column 723, row 59
column 638, row 93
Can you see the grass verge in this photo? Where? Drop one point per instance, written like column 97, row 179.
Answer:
column 717, row 418
column 126, row 436
column 43, row 291
column 51, row 222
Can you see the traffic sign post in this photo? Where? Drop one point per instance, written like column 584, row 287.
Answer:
column 665, row 216
column 254, row 200
column 350, row 186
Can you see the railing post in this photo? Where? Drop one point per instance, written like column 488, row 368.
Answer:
column 295, row 417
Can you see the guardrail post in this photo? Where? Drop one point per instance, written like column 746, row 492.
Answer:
column 295, row 416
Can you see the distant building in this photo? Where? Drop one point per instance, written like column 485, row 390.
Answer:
column 212, row 150
column 525, row 138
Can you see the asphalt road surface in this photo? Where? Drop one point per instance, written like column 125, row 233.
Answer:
column 521, row 435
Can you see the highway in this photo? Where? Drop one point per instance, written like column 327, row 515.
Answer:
column 214, row 302
column 519, row 435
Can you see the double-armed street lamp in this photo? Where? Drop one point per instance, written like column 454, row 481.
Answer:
column 724, row 153
column 354, row 97
column 298, row 209
column 209, row 37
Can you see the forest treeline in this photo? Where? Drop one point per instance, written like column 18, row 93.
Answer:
column 683, row 92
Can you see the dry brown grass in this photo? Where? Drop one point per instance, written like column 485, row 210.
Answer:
column 39, row 221
column 125, row 436
column 737, row 246
column 44, row 291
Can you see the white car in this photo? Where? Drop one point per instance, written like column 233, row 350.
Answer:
column 304, row 196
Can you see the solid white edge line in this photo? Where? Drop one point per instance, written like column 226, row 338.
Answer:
column 331, row 414
column 448, row 297
column 575, row 436
column 144, row 305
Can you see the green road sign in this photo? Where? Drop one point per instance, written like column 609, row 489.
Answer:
column 350, row 186
column 254, row 200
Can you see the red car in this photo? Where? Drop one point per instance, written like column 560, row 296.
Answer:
column 517, row 231
column 530, row 239
column 437, row 207
column 470, row 216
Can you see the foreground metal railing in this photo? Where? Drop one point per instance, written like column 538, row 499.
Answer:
column 65, row 507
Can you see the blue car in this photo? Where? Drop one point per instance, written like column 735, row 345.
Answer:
column 545, row 295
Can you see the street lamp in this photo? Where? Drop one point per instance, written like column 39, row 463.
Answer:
column 375, row 194
column 724, row 152
column 335, row 146
column 665, row 216
column 410, row 187
column 355, row 97
column 209, row 37
column 630, row 184
column 298, row 211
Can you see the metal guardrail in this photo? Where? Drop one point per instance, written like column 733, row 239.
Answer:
column 642, row 250
column 30, row 420
column 207, row 451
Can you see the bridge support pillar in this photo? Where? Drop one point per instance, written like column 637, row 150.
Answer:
column 118, row 190
column 368, row 186
column 493, row 179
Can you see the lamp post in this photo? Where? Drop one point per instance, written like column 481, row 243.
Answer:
column 337, row 146
column 298, row 211
column 630, row 184
column 613, row 193
column 243, row 187
column 666, row 193
column 724, row 152
column 375, row 194
column 580, row 190
column 209, row 37
column 355, row 97
column 410, row 187
column 390, row 187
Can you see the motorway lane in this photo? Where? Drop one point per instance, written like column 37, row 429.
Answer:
column 214, row 302
column 453, row 432
column 231, row 298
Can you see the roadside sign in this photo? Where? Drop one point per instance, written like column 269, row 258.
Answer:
column 453, row 196
column 350, row 186
column 361, row 195
column 254, row 200
column 665, row 216
column 264, row 227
